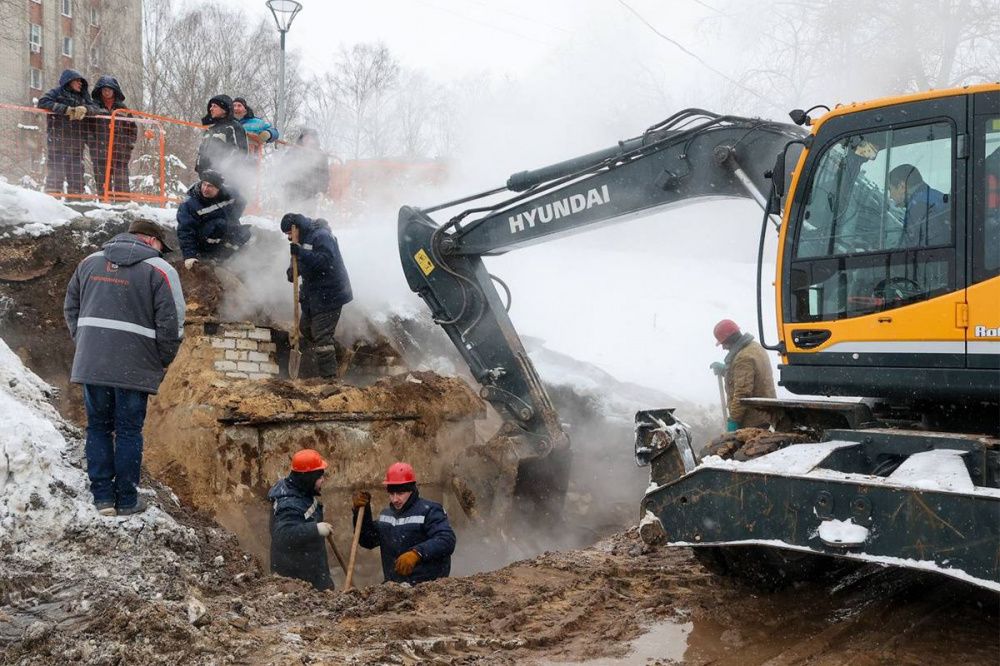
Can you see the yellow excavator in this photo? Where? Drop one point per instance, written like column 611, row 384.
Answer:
column 887, row 290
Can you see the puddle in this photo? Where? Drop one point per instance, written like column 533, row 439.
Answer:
column 663, row 641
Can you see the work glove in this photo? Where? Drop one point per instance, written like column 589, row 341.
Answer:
column 324, row 529
column 76, row 112
column 360, row 499
column 264, row 136
column 732, row 426
column 406, row 562
column 294, row 248
column 188, row 263
column 719, row 368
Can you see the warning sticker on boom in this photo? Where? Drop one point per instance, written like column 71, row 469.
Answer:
column 425, row 263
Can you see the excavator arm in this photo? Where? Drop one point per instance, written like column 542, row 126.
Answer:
column 693, row 154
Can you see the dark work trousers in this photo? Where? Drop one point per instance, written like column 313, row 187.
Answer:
column 119, row 170
column 317, row 330
column 65, row 163
column 114, row 442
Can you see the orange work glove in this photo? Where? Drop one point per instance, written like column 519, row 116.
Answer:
column 360, row 499
column 406, row 562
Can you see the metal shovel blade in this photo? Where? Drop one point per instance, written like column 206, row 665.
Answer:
column 294, row 361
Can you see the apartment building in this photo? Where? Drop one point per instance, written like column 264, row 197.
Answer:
column 41, row 38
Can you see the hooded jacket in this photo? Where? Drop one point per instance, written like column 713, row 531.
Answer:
column 126, row 132
column 420, row 525
column 254, row 125
column 325, row 283
column 748, row 375
column 203, row 223
column 224, row 138
column 125, row 310
column 297, row 549
column 60, row 98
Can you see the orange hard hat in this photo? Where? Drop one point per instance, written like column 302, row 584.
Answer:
column 399, row 473
column 724, row 329
column 307, row 460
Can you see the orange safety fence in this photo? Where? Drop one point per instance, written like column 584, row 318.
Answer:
column 132, row 155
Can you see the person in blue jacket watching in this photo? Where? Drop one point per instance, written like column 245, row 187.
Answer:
column 208, row 222
column 258, row 130
column 413, row 533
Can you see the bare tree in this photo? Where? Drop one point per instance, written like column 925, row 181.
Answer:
column 806, row 51
column 364, row 79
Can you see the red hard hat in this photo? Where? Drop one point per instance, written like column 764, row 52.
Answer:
column 307, row 460
column 399, row 473
column 724, row 329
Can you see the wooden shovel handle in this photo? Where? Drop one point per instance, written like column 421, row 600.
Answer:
column 354, row 549
column 333, row 545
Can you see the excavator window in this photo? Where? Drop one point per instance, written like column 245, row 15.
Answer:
column 986, row 221
column 876, row 230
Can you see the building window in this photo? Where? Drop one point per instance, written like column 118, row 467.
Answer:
column 67, row 47
column 36, row 79
column 35, row 37
column 95, row 17
column 67, row 8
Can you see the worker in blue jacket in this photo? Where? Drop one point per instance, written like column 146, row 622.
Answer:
column 208, row 222
column 413, row 533
column 258, row 130
column 326, row 287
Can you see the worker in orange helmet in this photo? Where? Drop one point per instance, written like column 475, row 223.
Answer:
column 747, row 374
column 298, row 533
column 413, row 533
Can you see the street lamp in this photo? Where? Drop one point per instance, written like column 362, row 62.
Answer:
column 284, row 12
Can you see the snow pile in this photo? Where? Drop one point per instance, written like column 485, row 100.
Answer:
column 44, row 490
column 34, row 213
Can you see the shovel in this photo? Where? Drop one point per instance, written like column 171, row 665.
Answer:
column 354, row 550
column 333, row 545
column 722, row 399
column 295, row 356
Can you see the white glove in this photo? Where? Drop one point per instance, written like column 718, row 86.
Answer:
column 188, row 263
column 324, row 529
column 77, row 112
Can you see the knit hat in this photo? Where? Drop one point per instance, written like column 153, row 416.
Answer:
column 212, row 177
column 293, row 219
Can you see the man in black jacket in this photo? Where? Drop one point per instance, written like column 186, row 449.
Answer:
column 326, row 287
column 66, row 133
column 109, row 97
column 125, row 312
column 208, row 222
column 224, row 143
column 413, row 534
column 298, row 532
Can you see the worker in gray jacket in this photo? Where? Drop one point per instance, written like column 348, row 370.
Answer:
column 125, row 312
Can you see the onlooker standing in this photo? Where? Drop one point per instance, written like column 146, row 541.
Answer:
column 298, row 532
column 66, row 134
column 125, row 311
column 309, row 174
column 326, row 287
column 224, row 143
column 109, row 96
column 258, row 130
column 208, row 222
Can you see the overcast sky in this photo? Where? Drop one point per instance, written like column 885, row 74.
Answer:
column 452, row 38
